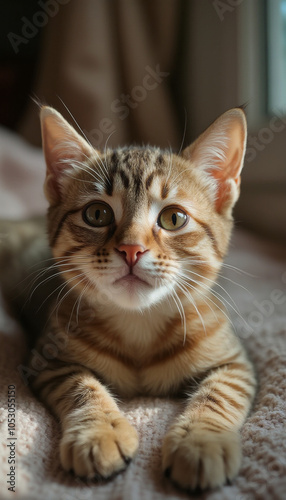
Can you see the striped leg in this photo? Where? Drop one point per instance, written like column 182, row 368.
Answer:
column 202, row 448
column 97, row 440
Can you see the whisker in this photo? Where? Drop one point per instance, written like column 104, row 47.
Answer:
column 62, row 287
column 68, row 292
column 190, row 298
column 238, row 270
column 170, row 166
column 208, row 298
column 84, row 135
column 87, row 140
column 235, row 283
column 77, row 165
column 45, row 270
column 48, row 279
column 220, row 297
column 181, row 312
column 77, row 301
column 184, row 133
column 179, row 175
column 106, row 142
column 88, row 285
column 71, row 115
column 222, row 264
column 204, row 297
column 212, row 283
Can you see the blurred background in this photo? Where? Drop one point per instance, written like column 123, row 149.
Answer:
column 148, row 71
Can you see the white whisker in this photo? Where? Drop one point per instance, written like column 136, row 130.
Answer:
column 184, row 133
column 190, row 298
column 181, row 312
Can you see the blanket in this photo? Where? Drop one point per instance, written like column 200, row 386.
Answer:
column 254, row 289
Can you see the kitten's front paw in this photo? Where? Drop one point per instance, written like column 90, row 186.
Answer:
column 196, row 458
column 99, row 448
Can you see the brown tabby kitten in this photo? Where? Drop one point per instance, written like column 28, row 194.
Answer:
column 139, row 236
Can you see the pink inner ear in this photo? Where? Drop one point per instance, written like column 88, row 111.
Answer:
column 219, row 152
column 223, row 195
column 231, row 167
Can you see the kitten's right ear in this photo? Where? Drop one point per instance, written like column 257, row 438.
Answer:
column 64, row 149
column 219, row 153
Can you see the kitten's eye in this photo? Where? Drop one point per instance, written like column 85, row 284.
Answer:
column 98, row 215
column 172, row 218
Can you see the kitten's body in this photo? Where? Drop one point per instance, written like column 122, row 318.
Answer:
column 136, row 313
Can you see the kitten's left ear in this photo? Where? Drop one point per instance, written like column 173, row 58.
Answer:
column 64, row 149
column 219, row 152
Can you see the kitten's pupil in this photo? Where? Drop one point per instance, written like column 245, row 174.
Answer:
column 97, row 214
column 174, row 219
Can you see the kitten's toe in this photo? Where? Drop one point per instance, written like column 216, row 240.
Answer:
column 103, row 449
column 200, row 459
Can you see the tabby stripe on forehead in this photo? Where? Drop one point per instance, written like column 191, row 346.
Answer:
column 159, row 160
column 138, row 185
column 164, row 191
column 61, row 223
column 108, row 186
column 126, row 158
column 124, row 178
column 114, row 159
column 149, row 180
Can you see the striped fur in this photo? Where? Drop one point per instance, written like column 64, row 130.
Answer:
column 166, row 334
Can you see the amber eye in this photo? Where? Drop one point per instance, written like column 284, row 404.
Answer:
column 172, row 218
column 98, row 215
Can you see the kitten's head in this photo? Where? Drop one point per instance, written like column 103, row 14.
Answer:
column 133, row 226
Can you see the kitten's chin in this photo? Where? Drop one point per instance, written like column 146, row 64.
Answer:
column 132, row 293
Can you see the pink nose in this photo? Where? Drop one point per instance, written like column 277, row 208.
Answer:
column 131, row 253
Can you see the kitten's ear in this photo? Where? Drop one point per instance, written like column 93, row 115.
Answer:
column 63, row 148
column 219, row 151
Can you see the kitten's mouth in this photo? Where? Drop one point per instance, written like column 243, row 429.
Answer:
column 131, row 280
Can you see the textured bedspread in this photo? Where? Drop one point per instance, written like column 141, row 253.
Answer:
column 261, row 323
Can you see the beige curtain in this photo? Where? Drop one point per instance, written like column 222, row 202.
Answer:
column 111, row 64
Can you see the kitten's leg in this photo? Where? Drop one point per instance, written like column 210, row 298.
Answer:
column 97, row 439
column 202, row 448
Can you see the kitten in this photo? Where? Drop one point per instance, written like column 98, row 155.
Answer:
column 138, row 236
